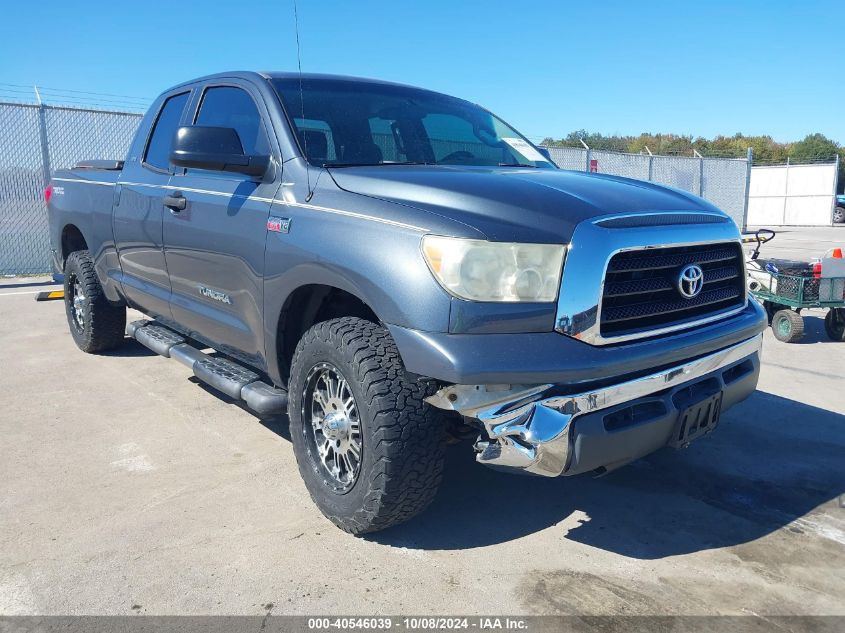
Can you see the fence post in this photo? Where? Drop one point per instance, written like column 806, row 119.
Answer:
column 785, row 192
column 650, row 163
column 701, row 175
column 42, row 135
column 835, row 189
column 587, row 164
column 748, row 160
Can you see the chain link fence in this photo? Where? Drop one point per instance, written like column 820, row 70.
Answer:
column 722, row 181
column 34, row 141
column 37, row 139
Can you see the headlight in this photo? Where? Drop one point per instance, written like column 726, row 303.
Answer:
column 495, row 271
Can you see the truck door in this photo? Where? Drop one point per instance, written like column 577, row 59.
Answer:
column 139, row 209
column 214, row 246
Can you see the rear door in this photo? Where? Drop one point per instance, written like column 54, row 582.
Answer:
column 214, row 247
column 139, row 210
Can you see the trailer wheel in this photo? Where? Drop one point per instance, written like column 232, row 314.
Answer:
column 95, row 324
column 787, row 326
column 834, row 324
column 368, row 446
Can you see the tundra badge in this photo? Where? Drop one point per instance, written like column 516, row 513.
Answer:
column 222, row 297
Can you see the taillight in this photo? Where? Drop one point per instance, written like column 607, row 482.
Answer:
column 48, row 193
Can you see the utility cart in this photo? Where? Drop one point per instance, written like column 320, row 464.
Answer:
column 785, row 287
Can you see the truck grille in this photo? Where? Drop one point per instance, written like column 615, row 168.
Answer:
column 641, row 287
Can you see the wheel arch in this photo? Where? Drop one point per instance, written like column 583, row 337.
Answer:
column 308, row 304
column 71, row 239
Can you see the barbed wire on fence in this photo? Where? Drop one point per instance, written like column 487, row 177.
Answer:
column 47, row 95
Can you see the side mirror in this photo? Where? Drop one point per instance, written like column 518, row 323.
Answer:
column 546, row 153
column 214, row 148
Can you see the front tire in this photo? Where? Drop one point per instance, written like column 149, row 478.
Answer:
column 369, row 449
column 95, row 324
column 839, row 215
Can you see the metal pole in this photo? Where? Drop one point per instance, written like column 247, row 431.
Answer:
column 587, row 165
column 785, row 191
column 835, row 187
column 650, row 163
column 42, row 135
column 749, row 160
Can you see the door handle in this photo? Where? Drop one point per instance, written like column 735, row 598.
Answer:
column 176, row 202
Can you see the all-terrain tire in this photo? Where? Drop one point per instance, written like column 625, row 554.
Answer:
column 100, row 325
column 402, row 437
column 787, row 326
column 834, row 324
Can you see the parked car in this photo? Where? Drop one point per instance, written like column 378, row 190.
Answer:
column 390, row 266
column 839, row 210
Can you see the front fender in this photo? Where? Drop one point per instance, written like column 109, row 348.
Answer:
column 379, row 263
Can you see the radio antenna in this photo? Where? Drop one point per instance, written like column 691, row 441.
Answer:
column 302, row 102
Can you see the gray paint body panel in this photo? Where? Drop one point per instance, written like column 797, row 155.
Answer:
column 360, row 231
column 549, row 357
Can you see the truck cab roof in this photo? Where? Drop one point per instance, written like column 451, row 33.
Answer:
column 251, row 75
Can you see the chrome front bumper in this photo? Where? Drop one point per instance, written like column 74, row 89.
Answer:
column 529, row 432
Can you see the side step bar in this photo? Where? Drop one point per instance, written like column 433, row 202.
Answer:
column 224, row 375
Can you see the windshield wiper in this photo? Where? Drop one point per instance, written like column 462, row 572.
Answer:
column 518, row 165
column 378, row 164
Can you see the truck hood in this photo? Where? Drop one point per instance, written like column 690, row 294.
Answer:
column 514, row 204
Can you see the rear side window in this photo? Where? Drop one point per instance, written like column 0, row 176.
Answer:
column 161, row 140
column 225, row 106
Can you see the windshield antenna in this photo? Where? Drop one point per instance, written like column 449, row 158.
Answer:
column 302, row 102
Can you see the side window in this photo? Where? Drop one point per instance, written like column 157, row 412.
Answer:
column 316, row 136
column 225, row 106
column 164, row 129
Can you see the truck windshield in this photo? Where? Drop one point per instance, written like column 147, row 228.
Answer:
column 344, row 123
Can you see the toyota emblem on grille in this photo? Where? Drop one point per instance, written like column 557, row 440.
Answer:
column 690, row 281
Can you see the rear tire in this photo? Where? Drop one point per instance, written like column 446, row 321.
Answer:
column 396, row 465
column 95, row 324
column 787, row 326
column 834, row 324
column 839, row 215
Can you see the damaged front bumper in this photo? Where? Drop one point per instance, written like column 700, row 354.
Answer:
column 541, row 429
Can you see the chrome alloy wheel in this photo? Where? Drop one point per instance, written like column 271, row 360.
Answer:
column 77, row 300
column 332, row 426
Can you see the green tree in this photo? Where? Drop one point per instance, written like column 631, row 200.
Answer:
column 813, row 147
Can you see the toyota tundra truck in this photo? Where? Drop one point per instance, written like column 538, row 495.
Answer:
column 392, row 268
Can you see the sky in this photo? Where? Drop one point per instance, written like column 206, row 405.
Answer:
column 698, row 67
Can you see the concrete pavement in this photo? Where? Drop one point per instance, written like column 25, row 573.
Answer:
column 127, row 487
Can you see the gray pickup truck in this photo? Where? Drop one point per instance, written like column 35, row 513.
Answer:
column 393, row 267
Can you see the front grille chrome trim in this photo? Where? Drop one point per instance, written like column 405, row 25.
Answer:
column 589, row 253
